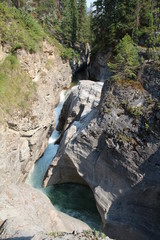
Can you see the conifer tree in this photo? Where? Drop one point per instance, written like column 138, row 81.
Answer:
column 112, row 19
column 69, row 21
column 83, row 21
column 126, row 60
column 74, row 16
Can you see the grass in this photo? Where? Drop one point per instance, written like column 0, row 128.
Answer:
column 16, row 88
column 19, row 29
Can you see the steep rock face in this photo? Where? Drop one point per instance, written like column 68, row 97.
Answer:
column 26, row 212
column 23, row 137
column 115, row 149
column 82, row 99
column 74, row 117
column 84, row 51
column 98, row 70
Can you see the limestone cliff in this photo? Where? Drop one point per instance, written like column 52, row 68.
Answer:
column 115, row 149
column 23, row 136
column 25, row 211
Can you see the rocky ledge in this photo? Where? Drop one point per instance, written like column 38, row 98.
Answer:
column 115, row 149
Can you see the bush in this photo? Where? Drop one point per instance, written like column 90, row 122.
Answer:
column 126, row 60
column 69, row 54
column 19, row 29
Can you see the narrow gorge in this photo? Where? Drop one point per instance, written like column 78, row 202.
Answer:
column 79, row 120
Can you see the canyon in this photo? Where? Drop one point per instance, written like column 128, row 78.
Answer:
column 23, row 139
column 109, row 141
column 114, row 148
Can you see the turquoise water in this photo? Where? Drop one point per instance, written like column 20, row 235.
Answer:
column 75, row 200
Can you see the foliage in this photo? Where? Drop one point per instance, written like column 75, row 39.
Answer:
column 126, row 60
column 16, row 87
column 75, row 22
column 19, row 29
column 112, row 20
column 83, row 22
column 49, row 15
column 69, row 21
column 70, row 54
column 135, row 111
column 89, row 234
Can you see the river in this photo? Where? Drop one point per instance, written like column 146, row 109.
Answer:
column 75, row 200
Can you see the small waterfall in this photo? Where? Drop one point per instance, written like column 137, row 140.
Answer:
column 73, row 199
column 37, row 173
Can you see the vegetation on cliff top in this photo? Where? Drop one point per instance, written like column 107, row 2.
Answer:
column 112, row 20
column 16, row 88
column 19, row 29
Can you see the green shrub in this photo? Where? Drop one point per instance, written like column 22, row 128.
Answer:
column 69, row 54
column 19, row 29
column 126, row 60
column 135, row 111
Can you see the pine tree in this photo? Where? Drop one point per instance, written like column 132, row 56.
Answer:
column 126, row 60
column 113, row 19
column 69, row 21
column 83, row 21
column 47, row 12
column 74, row 16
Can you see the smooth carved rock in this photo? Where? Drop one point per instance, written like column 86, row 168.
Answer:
column 82, row 99
column 29, row 212
column 113, row 151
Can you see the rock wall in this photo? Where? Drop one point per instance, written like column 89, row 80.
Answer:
column 115, row 149
column 23, row 137
column 84, row 51
column 98, row 69
column 24, row 211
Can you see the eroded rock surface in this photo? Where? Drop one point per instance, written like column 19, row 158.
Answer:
column 26, row 212
column 84, row 51
column 75, row 115
column 115, row 149
column 24, row 136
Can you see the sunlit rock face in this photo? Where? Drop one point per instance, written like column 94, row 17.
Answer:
column 26, row 212
column 24, row 136
column 115, row 149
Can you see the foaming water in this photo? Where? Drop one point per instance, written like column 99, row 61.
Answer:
column 37, row 173
column 73, row 199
